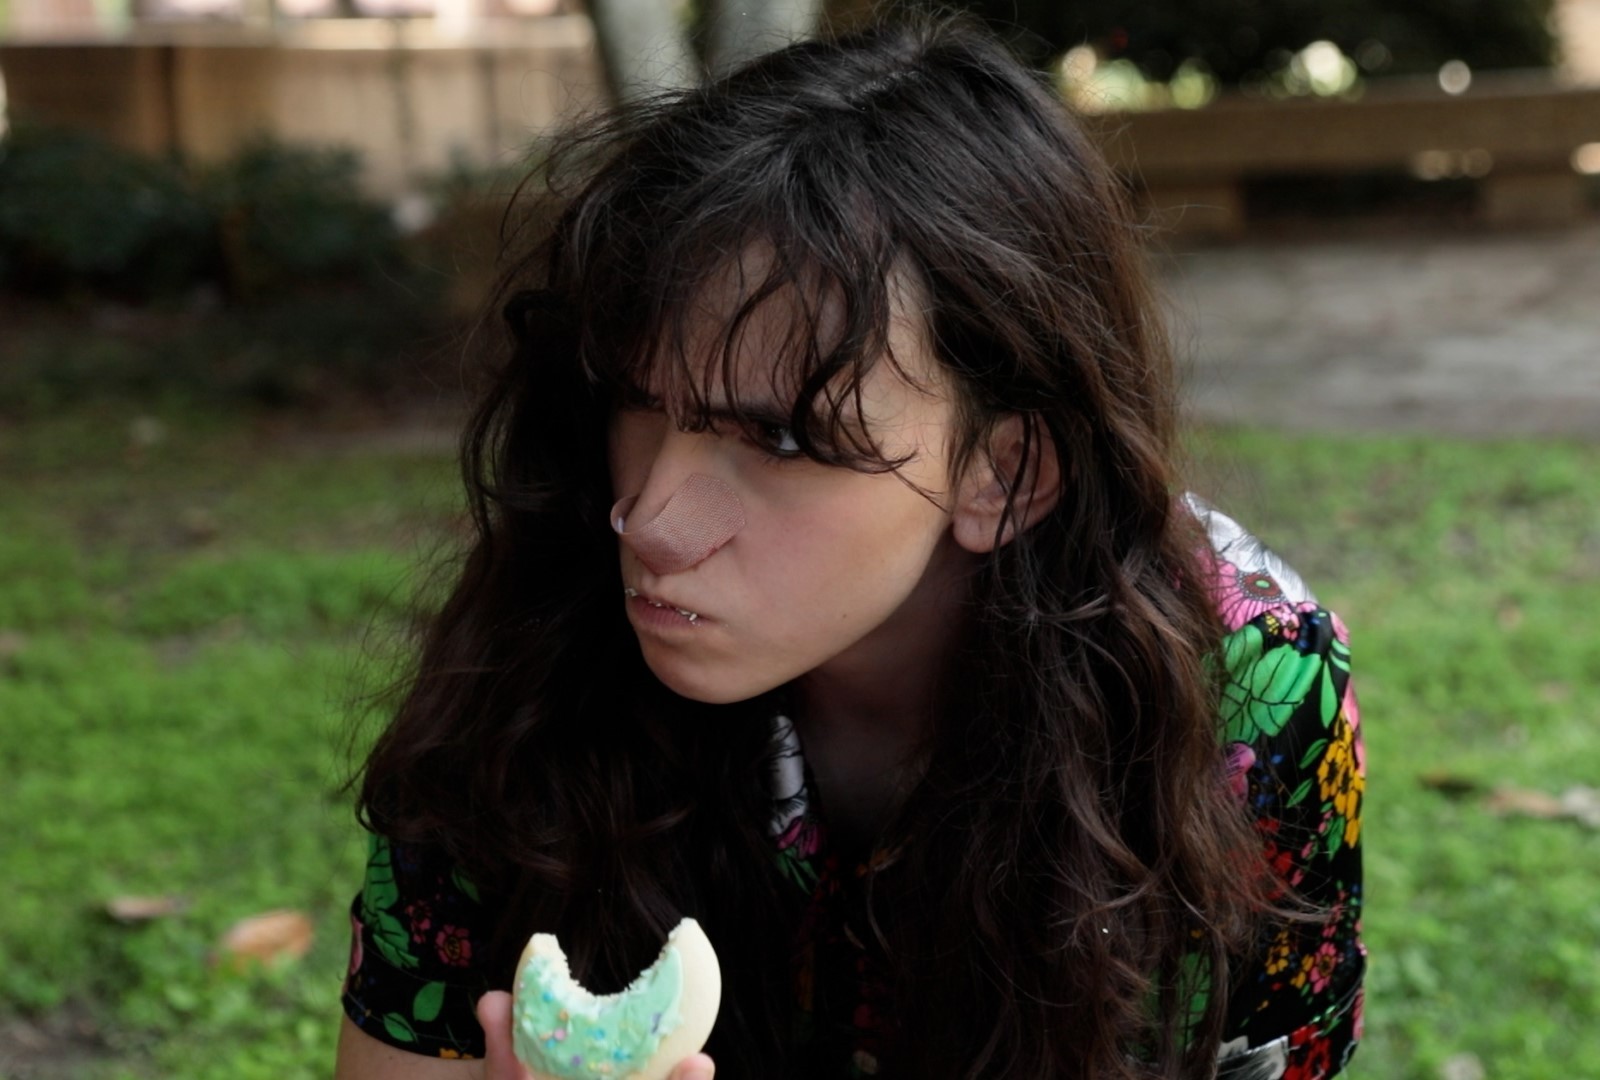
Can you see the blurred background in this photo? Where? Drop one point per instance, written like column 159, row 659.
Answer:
column 244, row 245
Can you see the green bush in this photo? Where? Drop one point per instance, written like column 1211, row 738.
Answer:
column 77, row 213
column 289, row 214
column 270, row 277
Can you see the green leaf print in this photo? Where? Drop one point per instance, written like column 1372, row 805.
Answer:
column 467, row 887
column 1265, row 684
column 1335, row 836
column 397, row 1026
column 391, row 940
column 379, row 896
column 429, row 1000
column 797, row 870
column 1313, row 752
column 1300, row 793
column 381, row 890
column 1339, row 655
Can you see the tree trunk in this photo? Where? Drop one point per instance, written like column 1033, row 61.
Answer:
column 644, row 47
column 742, row 30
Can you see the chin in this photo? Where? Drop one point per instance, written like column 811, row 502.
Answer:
column 708, row 687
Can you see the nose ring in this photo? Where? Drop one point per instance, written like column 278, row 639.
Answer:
column 702, row 515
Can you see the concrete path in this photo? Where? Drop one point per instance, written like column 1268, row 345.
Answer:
column 1473, row 335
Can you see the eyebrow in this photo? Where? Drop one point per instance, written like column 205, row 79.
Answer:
column 760, row 410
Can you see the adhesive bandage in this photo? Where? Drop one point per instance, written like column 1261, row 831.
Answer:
column 702, row 515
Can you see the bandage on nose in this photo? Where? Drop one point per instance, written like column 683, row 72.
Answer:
column 702, row 515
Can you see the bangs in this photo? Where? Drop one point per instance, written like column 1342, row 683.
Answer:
column 769, row 309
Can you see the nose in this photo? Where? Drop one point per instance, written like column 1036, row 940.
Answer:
column 700, row 517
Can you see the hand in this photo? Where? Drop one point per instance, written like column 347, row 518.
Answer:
column 499, row 1063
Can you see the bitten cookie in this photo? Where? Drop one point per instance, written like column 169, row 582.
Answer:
column 563, row 1032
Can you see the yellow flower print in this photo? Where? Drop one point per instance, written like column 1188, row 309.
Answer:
column 1341, row 782
column 1278, row 955
column 1300, row 977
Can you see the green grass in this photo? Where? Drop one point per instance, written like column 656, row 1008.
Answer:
column 183, row 629
column 1469, row 574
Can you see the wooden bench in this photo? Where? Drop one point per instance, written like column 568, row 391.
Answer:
column 1516, row 134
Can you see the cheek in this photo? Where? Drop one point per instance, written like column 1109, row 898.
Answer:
column 845, row 554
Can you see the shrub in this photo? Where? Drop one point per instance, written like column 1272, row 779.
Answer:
column 297, row 284
column 290, row 214
column 77, row 213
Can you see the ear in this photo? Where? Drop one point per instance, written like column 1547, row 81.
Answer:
column 992, row 483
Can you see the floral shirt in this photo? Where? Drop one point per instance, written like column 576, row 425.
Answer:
column 1291, row 731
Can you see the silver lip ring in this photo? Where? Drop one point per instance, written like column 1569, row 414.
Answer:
column 631, row 593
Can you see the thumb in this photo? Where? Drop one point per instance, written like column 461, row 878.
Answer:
column 494, row 1015
column 694, row 1067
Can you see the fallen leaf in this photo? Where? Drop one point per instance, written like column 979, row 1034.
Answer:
column 1523, row 802
column 1582, row 804
column 146, row 431
column 138, row 909
column 1509, row 616
column 1462, row 1067
column 267, row 938
column 198, row 525
column 1448, row 783
column 1577, row 803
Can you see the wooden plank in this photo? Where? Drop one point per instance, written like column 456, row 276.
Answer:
column 1518, row 126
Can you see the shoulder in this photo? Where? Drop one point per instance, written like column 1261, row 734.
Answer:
column 418, row 944
column 1244, row 576
column 1291, row 727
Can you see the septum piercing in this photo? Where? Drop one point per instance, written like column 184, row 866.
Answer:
column 631, row 593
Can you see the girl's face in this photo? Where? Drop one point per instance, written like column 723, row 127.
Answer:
column 834, row 571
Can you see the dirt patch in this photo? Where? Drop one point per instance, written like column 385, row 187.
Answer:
column 53, row 1046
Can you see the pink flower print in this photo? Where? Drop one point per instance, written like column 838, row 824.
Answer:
column 1241, row 759
column 1323, row 964
column 802, row 835
column 356, row 951
column 1240, row 594
column 1339, row 629
column 453, row 945
column 1352, row 708
column 420, row 915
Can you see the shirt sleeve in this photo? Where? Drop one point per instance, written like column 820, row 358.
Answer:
column 1293, row 735
column 418, row 932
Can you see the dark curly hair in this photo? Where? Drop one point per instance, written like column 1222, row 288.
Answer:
column 1070, row 875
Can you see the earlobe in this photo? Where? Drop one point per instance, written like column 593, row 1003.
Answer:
column 1009, row 487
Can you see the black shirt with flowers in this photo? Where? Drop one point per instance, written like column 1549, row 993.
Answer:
column 1292, row 741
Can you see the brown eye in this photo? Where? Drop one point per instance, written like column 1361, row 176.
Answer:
column 776, row 439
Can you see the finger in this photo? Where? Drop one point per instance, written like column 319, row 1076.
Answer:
column 696, row 1067
column 494, row 1015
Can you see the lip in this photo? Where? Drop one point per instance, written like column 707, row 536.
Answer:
column 658, row 612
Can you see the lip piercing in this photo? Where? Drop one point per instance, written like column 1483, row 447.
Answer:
column 631, row 593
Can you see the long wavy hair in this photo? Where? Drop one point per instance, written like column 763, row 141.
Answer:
column 1069, row 875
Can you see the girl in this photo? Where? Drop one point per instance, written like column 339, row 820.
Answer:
column 831, row 585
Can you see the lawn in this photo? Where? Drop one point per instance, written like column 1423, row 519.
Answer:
column 191, row 610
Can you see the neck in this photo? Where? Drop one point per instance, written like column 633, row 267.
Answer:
column 864, row 714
